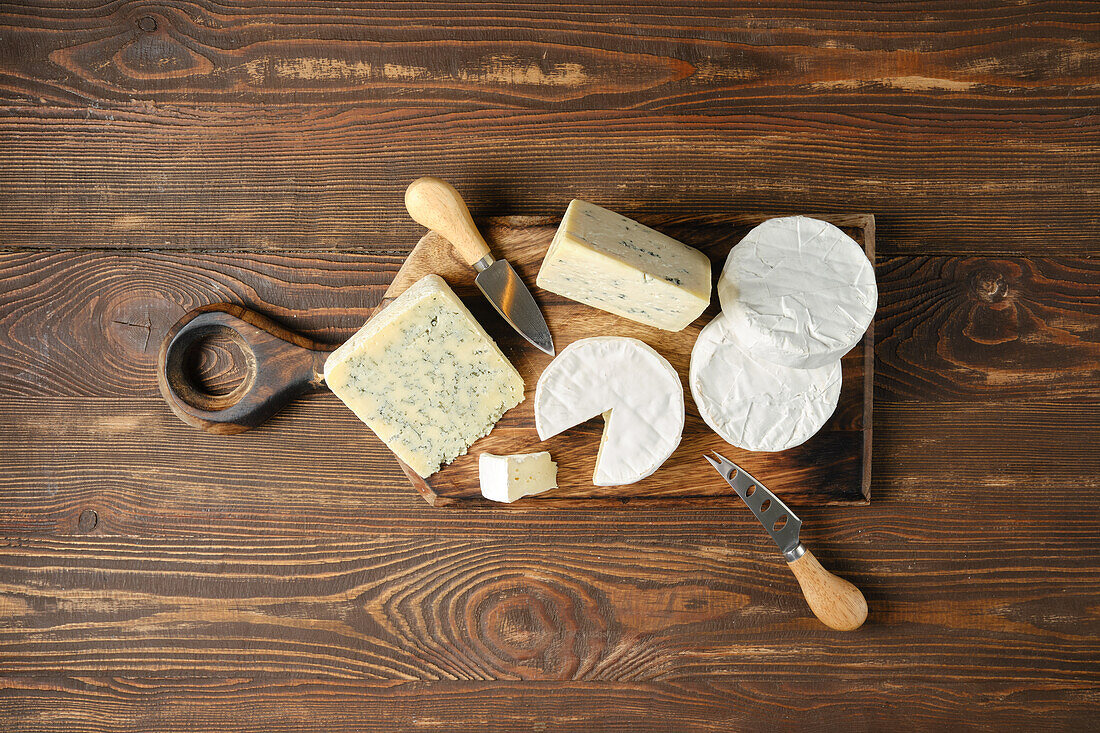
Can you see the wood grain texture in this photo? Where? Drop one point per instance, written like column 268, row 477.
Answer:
column 217, row 125
column 633, row 54
column 90, row 323
column 316, row 469
column 835, row 601
column 832, row 467
column 702, row 705
column 951, row 181
column 400, row 606
column 966, row 327
column 157, row 156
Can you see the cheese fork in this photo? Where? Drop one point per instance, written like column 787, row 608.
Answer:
column 837, row 603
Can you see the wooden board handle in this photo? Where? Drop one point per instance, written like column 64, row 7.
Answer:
column 836, row 602
column 436, row 204
column 279, row 365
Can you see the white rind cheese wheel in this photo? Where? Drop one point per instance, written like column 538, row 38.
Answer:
column 755, row 405
column 798, row 292
column 632, row 386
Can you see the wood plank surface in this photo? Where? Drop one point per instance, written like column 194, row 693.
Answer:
column 400, row 606
column 314, row 468
column 651, row 54
column 294, row 181
column 160, row 155
column 218, row 125
column 701, row 705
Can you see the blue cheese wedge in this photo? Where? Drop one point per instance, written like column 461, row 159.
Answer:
column 613, row 263
column 425, row 376
column 507, row 478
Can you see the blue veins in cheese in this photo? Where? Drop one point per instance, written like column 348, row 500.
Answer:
column 613, row 263
column 425, row 376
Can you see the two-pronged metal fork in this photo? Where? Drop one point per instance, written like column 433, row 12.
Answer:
column 835, row 601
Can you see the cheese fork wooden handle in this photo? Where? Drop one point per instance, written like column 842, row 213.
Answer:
column 435, row 204
column 837, row 603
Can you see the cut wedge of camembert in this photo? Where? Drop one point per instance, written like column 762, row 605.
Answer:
column 632, row 386
column 798, row 292
column 613, row 263
column 425, row 376
column 755, row 405
column 507, row 478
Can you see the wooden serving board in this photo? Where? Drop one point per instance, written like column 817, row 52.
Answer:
column 833, row 467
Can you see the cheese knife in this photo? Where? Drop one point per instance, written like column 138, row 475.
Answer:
column 835, row 601
column 436, row 204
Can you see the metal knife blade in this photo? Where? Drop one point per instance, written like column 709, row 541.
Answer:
column 501, row 286
column 778, row 519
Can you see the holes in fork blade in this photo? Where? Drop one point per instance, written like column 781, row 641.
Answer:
column 780, row 523
column 750, row 491
column 764, row 506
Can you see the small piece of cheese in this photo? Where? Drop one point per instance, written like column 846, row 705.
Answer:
column 636, row 390
column 507, row 478
column 798, row 292
column 613, row 263
column 755, row 405
column 425, row 376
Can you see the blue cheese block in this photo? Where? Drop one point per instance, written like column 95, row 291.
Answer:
column 425, row 376
column 613, row 263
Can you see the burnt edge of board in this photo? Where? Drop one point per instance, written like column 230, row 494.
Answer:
column 865, row 222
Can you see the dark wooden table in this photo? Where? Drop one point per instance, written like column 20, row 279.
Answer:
column 155, row 156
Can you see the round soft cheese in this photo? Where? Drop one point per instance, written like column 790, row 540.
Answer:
column 632, row 386
column 798, row 292
column 755, row 405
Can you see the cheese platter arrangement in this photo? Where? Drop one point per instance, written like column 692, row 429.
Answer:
column 592, row 361
column 555, row 376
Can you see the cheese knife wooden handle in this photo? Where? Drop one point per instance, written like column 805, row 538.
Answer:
column 435, row 204
column 837, row 603
column 279, row 366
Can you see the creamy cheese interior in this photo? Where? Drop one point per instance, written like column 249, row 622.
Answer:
column 508, row 478
column 613, row 263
